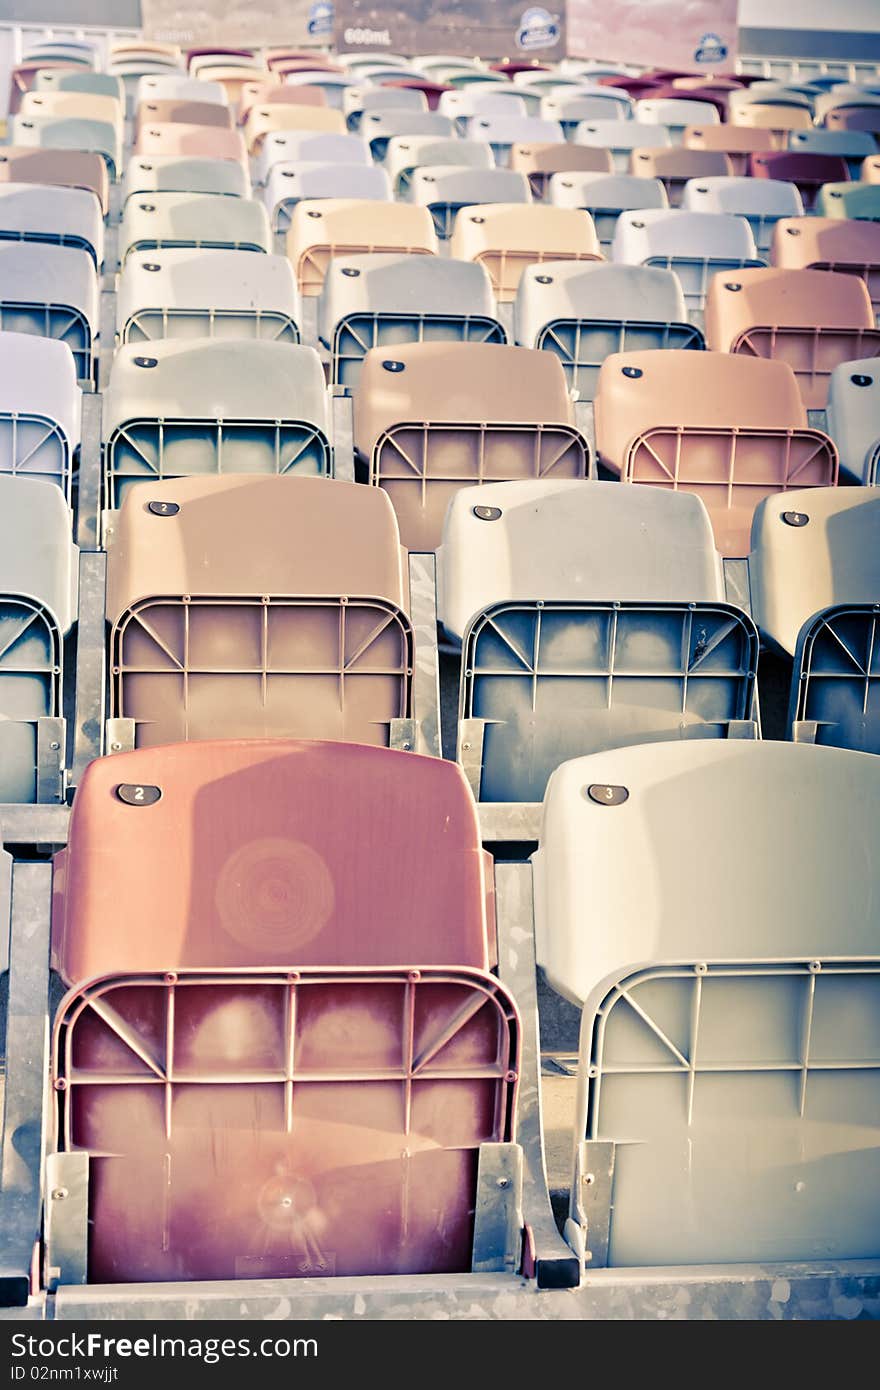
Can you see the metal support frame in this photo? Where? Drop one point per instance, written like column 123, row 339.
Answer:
column 51, row 747
column 556, row 1267
column 592, row 1198
column 24, row 1095
column 90, row 663
column 737, row 589
column 89, row 484
column 343, row 433
column 585, row 420
column 426, row 673
column 120, row 735
column 470, row 752
column 498, row 1221
column 805, row 731
column 742, row 728
column 67, row 1225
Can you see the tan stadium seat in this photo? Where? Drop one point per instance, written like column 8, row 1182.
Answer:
column 776, row 120
column 174, row 409
column 258, row 607
column 540, row 162
column 66, row 168
column 870, row 170
column 730, row 429
column 261, row 93
column 86, row 106
column 435, row 417
column 159, row 112
column 739, row 142
column 829, row 243
column 854, row 118
column 268, row 117
column 327, row 227
column 675, row 166
column 180, row 138
column 811, row 319
column 232, row 79
column 506, row 237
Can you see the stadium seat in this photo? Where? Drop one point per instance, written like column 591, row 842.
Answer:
column 825, row 243
column 267, row 607
column 808, row 171
column 357, row 100
column 64, row 169
column 190, row 293
column 675, row 167
column 507, row 237
column 605, row 197
column 66, row 105
column 738, row 142
column 320, row 230
column 169, row 173
column 59, row 216
column 496, row 99
column 203, row 141
column 445, row 189
column 175, row 86
column 859, row 201
column 596, row 104
column 407, row 153
column 854, row 118
column 696, row 245
column 870, row 170
column 836, row 678
column 541, row 162
column 70, row 133
column 378, row 127
column 725, row 994
column 270, row 93
column 378, row 301
column 811, row 551
column 78, row 80
column 621, row 138
column 269, row 117
column 853, row 415
column 851, row 145
column 570, row 540
column 39, row 409
column 159, row 220
column 675, row 113
column 212, row 407
column 777, row 120
column 811, row 319
column 437, row 417
column 233, row 78
column 358, row 962
column 51, row 291
column 38, row 597
column 289, row 183
column 584, row 312
column 762, row 202
column 307, row 146
column 500, row 132
column 163, row 110
column 730, row 429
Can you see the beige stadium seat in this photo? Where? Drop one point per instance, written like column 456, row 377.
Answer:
column 506, row 237
column 811, row 319
column 65, row 168
column 267, row 117
column 323, row 228
column 258, row 607
column 435, row 417
column 201, row 141
column 829, row 243
column 730, row 429
column 540, row 162
column 776, row 120
column 675, row 166
column 158, row 111
column 261, row 93
column 739, row 142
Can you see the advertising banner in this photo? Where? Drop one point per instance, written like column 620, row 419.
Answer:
column 469, row 28
column 690, row 35
column 238, row 23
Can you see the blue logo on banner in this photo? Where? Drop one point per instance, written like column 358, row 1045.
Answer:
column 538, row 29
column 321, row 19
column 710, row 49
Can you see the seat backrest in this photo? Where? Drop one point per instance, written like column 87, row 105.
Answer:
column 596, row 104
column 170, row 173
column 178, row 138
column 754, row 199
column 193, row 219
column 852, row 145
column 69, row 133
column 739, row 142
column 88, row 106
column 810, row 550
column 262, row 93
column 322, row 229
column 44, row 213
column 829, row 243
column 506, row 237
column 182, row 291
column 854, row 418
column 772, row 117
column 51, row 291
column 541, row 161
column 290, row 146
column 174, row 86
column 164, row 109
column 669, row 236
column 266, row 117
column 405, row 154
column 675, row 112
column 359, row 99
column 445, row 188
column 289, row 183
column 66, row 169
column 622, row 135
column 574, row 540
column 808, row 171
column 857, row 200
column 40, row 404
column 675, row 166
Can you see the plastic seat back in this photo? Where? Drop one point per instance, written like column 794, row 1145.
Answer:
column 583, row 312
column 357, row 100
column 605, row 197
column 51, row 291
column 280, row 602
column 507, row 237
column 58, row 216
column 40, row 403
column 159, row 220
column 731, row 430
column 174, row 86
column 367, row 1167
column 738, row 142
column 696, row 245
column 446, row 189
column 826, row 243
column 385, row 300
column 854, row 418
column 320, row 230
column 39, row 566
column 810, row 551
column 170, row 173
column 267, row 117
column 70, row 133
column 308, row 146
column 199, row 141
column 378, row 127
column 725, row 995
column 675, row 113
column 437, row 417
column 811, row 319
column 858, row 201
column 835, row 688
column 502, row 131
column 597, row 104
column 190, row 293
column 807, row 171
column 621, row 138
column 776, row 119
column 762, row 202
column 65, row 169
column 541, row 162
column 213, row 407
column 289, row 183
column 851, row 145
column 674, row 167
column 407, row 153
column 173, row 110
